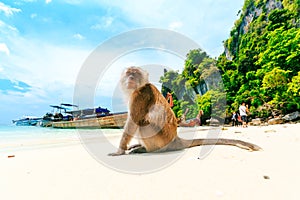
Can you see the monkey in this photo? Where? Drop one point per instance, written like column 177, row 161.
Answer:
column 153, row 122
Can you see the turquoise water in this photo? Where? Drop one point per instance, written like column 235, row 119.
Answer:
column 14, row 133
column 29, row 137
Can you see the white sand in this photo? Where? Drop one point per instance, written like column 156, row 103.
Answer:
column 70, row 172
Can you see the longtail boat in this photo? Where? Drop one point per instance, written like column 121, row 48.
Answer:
column 116, row 120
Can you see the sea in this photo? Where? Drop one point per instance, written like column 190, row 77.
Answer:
column 15, row 138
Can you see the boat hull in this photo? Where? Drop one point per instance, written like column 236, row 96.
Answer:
column 111, row 121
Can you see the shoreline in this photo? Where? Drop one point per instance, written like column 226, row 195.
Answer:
column 71, row 172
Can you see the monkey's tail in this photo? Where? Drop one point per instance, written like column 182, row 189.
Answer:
column 232, row 142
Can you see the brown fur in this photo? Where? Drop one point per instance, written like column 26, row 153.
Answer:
column 152, row 120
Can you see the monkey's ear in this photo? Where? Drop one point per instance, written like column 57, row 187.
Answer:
column 145, row 77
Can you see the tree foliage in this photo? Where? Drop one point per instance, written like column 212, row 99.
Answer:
column 197, row 87
column 264, row 60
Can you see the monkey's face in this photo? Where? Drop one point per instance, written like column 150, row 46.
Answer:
column 133, row 78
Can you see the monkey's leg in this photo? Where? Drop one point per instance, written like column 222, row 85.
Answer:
column 138, row 149
column 129, row 129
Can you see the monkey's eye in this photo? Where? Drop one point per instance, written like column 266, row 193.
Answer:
column 137, row 73
column 128, row 73
column 132, row 72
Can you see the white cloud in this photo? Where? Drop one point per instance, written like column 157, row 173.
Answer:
column 8, row 11
column 6, row 29
column 175, row 25
column 33, row 15
column 104, row 23
column 78, row 36
column 48, row 1
column 4, row 48
column 47, row 65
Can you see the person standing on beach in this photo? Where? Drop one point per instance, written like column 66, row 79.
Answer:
column 234, row 119
column 243, row 112
column 198, row 119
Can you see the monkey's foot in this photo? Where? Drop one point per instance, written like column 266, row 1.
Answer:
column 118, row 153
column 138, row 149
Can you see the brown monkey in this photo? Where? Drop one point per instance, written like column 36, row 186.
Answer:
column 152, row 120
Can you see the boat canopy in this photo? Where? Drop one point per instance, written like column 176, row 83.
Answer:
column 68, row 104
column 89, row 111
column 57, row 107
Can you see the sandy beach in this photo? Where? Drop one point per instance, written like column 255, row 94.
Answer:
column 69, row 171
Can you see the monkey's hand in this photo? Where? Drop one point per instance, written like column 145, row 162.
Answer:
column 118, row 153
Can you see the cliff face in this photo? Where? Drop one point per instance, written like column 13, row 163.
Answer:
column 254, row 11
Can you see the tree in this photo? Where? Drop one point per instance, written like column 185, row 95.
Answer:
column 213, row 104
column 275, row 85
column 294, row 93
column 194, row 58
column 280, row 18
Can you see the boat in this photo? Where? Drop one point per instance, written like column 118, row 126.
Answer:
column 58, row 113
column 63, row 117
column 115, row 120
column 27, row 121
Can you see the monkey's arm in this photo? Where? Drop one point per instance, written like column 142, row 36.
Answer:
column 141, row 102
column 129, row 130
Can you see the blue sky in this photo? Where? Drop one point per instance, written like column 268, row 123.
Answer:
column 43, row 44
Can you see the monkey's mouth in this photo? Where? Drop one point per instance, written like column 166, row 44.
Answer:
column 131, row 85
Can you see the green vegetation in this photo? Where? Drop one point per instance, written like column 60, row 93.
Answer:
column 199, row 87
column 260, row 65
